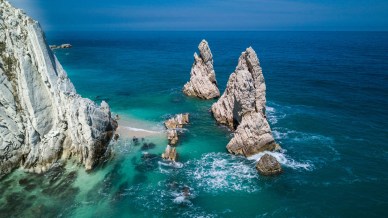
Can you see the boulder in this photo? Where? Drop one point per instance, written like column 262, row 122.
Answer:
column 202, row 82
column 268, row 165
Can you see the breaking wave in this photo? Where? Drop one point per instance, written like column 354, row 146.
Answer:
column 216, row 172
column 284, row 160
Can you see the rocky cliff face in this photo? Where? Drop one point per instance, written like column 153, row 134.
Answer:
column 42, row 118
column 202, row 82
column 242, row 108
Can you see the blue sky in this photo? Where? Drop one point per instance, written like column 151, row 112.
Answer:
column 208, row 14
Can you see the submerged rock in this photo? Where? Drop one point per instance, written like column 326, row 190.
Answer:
column 147, row 146
column 242, row 108
column 42, row 118
column 268, row 165
column 202, row 82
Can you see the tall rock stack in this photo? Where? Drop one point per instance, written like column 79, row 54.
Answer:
column 42, row 118
column 202, row 82
column 242, row 108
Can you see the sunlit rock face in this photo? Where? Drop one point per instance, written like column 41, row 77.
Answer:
column 242, row 108
column 42, row 118
column 202, row 82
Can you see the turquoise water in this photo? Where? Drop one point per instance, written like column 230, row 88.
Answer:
column 327, row 96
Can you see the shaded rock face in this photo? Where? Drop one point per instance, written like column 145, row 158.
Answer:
column 174, row 126
column 42, row 118
column 242, row 108
column 268, row 165
column 202, row 82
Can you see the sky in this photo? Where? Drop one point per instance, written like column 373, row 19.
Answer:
column 181, row 15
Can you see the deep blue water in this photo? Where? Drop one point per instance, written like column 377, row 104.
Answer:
column 327, row 95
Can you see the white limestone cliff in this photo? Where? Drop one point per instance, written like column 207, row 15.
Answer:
column 202, row 82
column 242, row 108
column 42, row 118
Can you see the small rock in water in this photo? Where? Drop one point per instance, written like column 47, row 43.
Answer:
column 268, row 165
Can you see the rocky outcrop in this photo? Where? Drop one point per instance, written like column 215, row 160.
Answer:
column 174, row 127
column 178, row 121
column 242, row 108
column 42, row 118
column 202, row 82
column 172, row 136
column 268, row 165
column 169, row 153
column 63, row 46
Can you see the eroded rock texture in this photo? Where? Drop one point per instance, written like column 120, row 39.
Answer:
column 242, row 108
column 42, row 118
column 174, row 127
column 202, row 82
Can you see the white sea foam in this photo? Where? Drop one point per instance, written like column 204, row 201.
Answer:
column 273, row 115
column 216, row 172
column 180, row 199
column 139, row 130
column 170, row 164
column 284, row 160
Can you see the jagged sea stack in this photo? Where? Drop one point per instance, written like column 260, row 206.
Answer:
column 42, row 118
column 202, row 82
column 174, row 127
column 242, row 108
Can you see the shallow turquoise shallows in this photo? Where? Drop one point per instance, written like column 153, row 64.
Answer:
column 327, row 100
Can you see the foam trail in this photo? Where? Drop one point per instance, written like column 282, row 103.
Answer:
column 140, row 130
column 283, row 160
column 171, row 164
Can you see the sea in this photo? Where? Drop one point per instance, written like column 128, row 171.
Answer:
column 327, row 105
